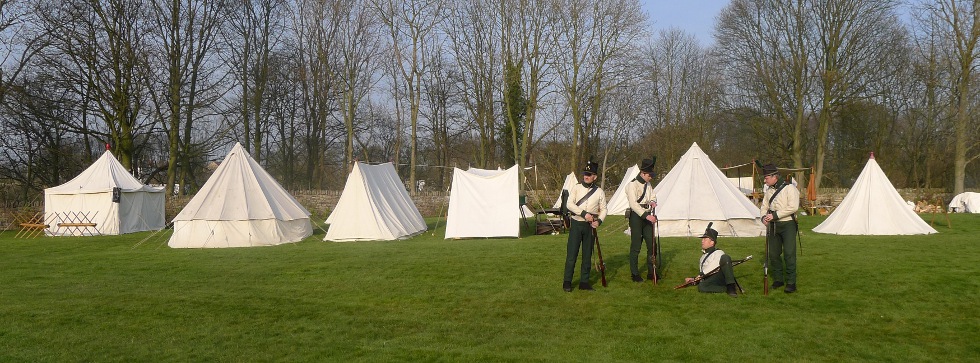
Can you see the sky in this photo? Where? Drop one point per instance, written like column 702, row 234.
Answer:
column 693, row 16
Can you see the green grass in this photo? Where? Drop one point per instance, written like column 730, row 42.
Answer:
column 912, row 298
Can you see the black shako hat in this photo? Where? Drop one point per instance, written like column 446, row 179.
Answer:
column 710, row 233
column 769, row 169
column 591, row 167
column 647, row 165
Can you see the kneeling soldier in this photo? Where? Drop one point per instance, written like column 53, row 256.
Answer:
column 712, row 258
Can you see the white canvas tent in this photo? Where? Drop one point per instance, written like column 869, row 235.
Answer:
column 570, row 180
column 695, row 192
column 873, row 207
column 240, row 205
column 617, row 203
column 89, row 198
column 966, row 202
column 483, row 203
column 374, row 206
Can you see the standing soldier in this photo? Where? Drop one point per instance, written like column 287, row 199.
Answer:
column 779, row 206
column 643, row 204
column 587, row 207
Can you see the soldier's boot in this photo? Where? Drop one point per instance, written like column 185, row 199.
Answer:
column 790, row 288
column 567, row 286
column 585, row 286
column 637, row 278
column 732, row 290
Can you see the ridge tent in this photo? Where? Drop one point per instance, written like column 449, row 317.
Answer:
column 873, row 207
column 695, row 192
column 240, row 205
column 90, row 196
column 570, row 180
column 483, row 203
column 374, row 206
column 617, row 204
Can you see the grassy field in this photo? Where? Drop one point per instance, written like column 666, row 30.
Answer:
column 131, row 298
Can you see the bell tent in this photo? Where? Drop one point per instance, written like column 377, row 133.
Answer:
column 374, row 206
column 483, row 203
column 106, row 195
column 873, row 207
column 240, row 205
column 695, row 192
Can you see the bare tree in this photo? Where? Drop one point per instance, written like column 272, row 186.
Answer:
column 410, row 27
column 473, row 31
column 185, row 31
column 589, row 37
column 358, row 51
column 98, row 47
column 767, row 45
column 680, row 84
column 255, row 28
column 850, row 34
column 317, row 28
column 958, row 22
column 525, row 47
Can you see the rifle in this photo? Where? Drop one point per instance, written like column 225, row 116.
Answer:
column 656, row 246
column 765, row 264
column 563, row 210
column 770, row 229
column 602, row 264
column 699, row 278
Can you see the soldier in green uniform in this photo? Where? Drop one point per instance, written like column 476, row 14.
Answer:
column 779, row 206
column 587, row 209
column 724, row 279
column 641, row 214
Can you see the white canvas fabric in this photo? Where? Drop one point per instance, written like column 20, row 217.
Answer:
column 743, row 184
column 966, row 202
column 617, row 204
column 695, row 192
column 483, row 203
column 140, row 207
column 240, row 205
column 374, row 206
column 570, row 180
column 873, row 207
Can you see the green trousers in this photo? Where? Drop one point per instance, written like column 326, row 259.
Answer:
column 719, row 281
column 782, row 252
column 579, row 236
column 640, row 230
